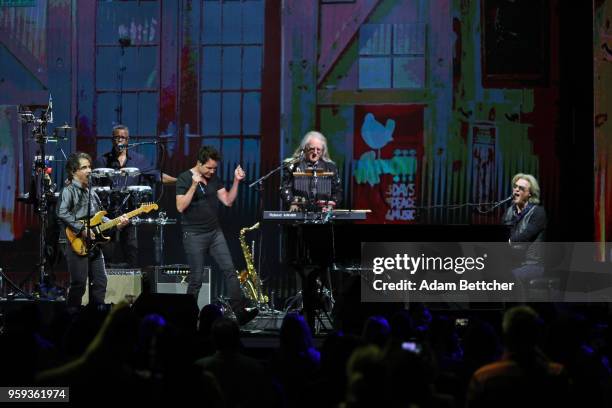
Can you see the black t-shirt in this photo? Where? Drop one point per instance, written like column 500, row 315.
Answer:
column 202, row 213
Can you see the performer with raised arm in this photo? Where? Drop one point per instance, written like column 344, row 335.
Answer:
column 198, row 193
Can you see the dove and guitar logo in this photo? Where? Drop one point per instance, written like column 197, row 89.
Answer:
column 375, row 134
column 388, row 150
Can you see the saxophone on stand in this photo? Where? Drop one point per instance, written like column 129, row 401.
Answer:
column 249, row 279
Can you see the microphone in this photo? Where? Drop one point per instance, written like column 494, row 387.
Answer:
column 294, row 160
column 503, row 201
column 126, row 145
column 300, row 157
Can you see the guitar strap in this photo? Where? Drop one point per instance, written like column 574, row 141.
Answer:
column 78, row 203
column 83, row 195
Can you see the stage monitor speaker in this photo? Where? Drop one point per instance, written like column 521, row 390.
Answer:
column 173, row 279
column 121, row 284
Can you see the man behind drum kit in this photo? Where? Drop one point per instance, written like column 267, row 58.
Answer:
column 136, row 177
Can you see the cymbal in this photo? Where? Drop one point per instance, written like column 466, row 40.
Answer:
column 65, row 129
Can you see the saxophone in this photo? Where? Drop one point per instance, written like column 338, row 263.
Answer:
column 249, row 280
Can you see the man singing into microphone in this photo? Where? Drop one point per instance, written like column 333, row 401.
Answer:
column 72, row 207
column 125, row 242
column 198, row 193
column 526, row 219
column 311, row 155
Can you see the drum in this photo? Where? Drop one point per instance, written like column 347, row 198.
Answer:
column 130, row 171
column 103, row 172
column 104, row 194
column 140, row 194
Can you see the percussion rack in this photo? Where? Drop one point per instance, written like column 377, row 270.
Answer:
column 44, row 189
column 119, row 192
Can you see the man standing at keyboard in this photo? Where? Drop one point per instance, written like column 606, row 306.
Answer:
column 310, row 181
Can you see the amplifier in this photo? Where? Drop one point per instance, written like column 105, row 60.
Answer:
column 121, row 283
column 173, row 279
column 170, row 273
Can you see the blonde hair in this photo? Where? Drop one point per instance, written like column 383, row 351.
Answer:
column 534, row 187
column 313, row 134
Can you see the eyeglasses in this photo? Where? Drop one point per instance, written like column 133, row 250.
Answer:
column 521, row 188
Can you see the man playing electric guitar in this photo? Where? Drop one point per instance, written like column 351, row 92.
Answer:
column 71, row 210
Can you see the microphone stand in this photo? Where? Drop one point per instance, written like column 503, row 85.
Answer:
column 42, row 188
column 88, row 223
column 260, row 180
column 41, row 166
column 158, row 239
column 259, row 186
column 497, row 204
column 124, row 42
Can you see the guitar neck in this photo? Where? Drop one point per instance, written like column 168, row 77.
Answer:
column 112, row 223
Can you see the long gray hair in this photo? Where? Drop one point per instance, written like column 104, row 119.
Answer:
column 304, row 144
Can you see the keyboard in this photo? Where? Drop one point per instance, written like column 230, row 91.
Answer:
column 315, row 217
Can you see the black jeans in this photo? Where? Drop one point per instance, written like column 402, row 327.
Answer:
column 197, row 246
column 82, row 267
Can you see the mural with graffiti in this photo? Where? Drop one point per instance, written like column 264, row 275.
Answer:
column 602, row 52
column 387, row 154
column 422, row 115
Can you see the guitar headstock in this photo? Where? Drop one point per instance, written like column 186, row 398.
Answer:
column 148, row 207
